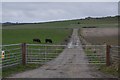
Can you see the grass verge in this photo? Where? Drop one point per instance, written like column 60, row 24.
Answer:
column 108, row 70
column 19, row 68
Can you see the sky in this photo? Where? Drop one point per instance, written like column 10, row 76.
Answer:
column 51, row 11
column 60, row 0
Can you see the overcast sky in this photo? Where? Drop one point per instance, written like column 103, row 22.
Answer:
column 49, row 11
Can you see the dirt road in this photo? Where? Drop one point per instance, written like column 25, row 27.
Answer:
column 71, row 63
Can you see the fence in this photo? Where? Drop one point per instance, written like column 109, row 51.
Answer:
column 29, row 53
column 40, row 53
column 0, row 58
column 37, row 53
column 111, row 52
column 114, row 53
column 12, row 55
column 96, row 54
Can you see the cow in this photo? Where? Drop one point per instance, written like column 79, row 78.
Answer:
column 69, row 36
column 48, row 40
column 36, row 40
column 66, row 40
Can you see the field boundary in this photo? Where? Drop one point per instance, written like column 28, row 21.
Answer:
column 25, row 53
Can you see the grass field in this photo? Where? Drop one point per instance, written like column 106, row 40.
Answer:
column 99, row 22
column 13, row 36
column 0, row 36
column 60, row 25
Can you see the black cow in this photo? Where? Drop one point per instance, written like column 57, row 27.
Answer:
column 36, row 40
column 69, row 36
column 48, row 40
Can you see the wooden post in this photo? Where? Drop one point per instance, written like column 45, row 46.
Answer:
column 23, row 53
column 108, row 55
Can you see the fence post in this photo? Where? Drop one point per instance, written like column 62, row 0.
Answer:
column 108, row 55
column 23, row 53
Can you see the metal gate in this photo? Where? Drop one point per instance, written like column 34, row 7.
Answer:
column 12, row 55
column 86, row 54
column 96, row 54
column 41, row 53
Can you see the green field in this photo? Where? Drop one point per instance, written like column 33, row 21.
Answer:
column 67, row 24
column 13, row 36
column 0, row 36
column 78, row 23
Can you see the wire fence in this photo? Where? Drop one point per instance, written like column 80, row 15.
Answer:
column 114, row 53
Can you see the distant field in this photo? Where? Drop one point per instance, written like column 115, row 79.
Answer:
column 78, row 23
column 59, row 25
column 100, row 35
column 0, row 36
column 13, row 36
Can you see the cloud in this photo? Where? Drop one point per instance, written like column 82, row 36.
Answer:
column 46, row 11
column 60, row 1
column 0, row 12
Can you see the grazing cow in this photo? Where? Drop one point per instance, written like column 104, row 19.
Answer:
column 69, row 36
column 48, row 40
column 66, row 40
column 36, row 40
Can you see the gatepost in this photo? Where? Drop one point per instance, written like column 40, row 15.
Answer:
column 108, row 63
column 23, row 53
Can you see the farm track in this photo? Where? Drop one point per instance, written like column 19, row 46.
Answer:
column 71, row 63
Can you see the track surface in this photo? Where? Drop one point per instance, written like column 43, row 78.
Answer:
column 71, row 63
